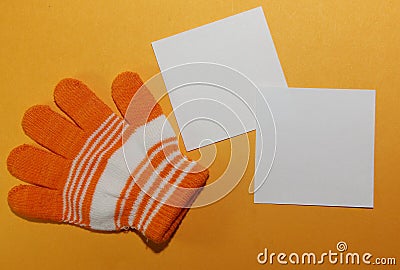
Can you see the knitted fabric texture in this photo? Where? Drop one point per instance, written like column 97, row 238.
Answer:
column 102, row 171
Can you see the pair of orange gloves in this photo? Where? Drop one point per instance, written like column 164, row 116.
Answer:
column 102, row 171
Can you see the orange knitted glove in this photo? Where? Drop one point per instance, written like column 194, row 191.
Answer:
column 104, row 172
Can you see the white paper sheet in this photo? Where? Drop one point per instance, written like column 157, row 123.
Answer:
column 325, row 147
column 242, row 48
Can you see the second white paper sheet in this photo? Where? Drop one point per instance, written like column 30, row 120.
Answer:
column 324, row 147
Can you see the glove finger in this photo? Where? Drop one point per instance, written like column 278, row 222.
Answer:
column 36, row 202
column 124, row 87
column 52, row 130
column 38, row 167
column 81, row 104
column 128, row 91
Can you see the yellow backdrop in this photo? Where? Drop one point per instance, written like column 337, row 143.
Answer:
column 321, row 43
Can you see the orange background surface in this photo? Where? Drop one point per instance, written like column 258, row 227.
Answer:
column 329, row 44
